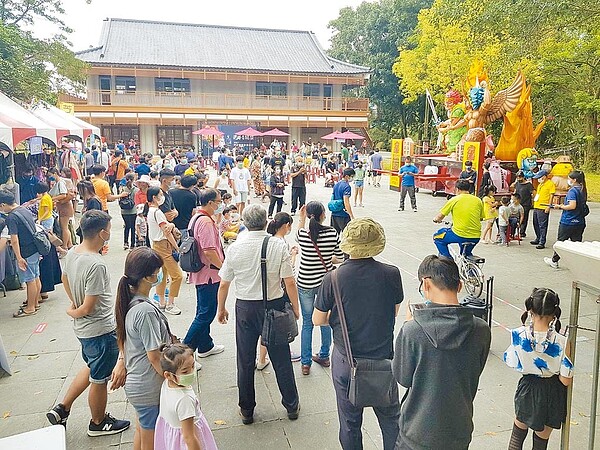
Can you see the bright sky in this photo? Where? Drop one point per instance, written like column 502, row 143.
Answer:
column 312, row 15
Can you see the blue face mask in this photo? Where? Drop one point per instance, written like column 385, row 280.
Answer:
column 159, row 278
column 220, row 209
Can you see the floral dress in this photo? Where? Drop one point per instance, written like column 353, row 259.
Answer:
column 259, row 185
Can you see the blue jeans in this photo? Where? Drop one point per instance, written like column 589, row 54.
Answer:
column 198, row 335
column 445, row 236
column 307, row 305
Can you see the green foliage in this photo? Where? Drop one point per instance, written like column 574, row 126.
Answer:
column 30, row 67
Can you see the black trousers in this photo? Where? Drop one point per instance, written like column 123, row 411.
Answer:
column 275, row 200
column 410, row 190
column 249, row 318
column 129, row 232
column 351, row 417
column 540, row 225
column 298, row 196
column 526, row 210
column 339, row 223
column 566, row 232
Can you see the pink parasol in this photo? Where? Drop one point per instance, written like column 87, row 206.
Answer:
column 208, row 131
column 331, row 136
column 349, row 135
column 251, row 132
column 275, row 132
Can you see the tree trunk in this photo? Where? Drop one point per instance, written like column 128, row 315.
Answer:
column 592, row 150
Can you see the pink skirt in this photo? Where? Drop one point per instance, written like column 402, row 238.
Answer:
column 168, row 438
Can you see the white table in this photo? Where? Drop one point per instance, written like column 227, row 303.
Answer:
column 49, row 438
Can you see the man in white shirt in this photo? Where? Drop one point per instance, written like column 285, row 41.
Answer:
column 242, row 265
column 241, row 183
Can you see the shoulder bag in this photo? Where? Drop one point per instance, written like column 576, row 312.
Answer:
column 127, row 203
column 40, row 239
column 371, row 380
column 582, row 204
column 279, row 327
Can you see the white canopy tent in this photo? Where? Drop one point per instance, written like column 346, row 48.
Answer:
column 18, row 124
column 66, row 124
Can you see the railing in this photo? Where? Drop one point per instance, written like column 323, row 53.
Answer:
column 221, row 101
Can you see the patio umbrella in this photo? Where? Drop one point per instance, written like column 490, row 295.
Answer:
column 349, row 135
column 275, row 132
column 250, row 132
column 331, row 136
column 209, row 131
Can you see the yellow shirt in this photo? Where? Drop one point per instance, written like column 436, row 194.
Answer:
column 544, row 194
column 246, row 162
column 46, row 206
column 490, row 211
column 102, row 190
column 467, row 213
column 189, row 171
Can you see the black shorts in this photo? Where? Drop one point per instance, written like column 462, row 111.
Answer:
column 541, row 402
column 572, row 232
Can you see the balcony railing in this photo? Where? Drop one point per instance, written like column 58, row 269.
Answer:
column 221, row 101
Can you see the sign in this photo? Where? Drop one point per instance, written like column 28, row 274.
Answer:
column 397, row 148
column 69, row 108
column 471, row 153
column 35, row 145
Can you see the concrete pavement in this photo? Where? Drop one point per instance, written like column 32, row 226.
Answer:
column 44, row 363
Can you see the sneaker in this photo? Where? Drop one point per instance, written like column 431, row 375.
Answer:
column 551, row 263
column 217, row 348
column 400, row 209
column 534, row 242
column 172, row 309
column 294, row 414
column 109, row 425
column 58, row 415
column 414, row 209
column 295, row 357
column 125, row 247
column 540, row 246
column 261, row 366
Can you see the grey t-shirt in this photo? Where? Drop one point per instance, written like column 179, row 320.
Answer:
column 88, row 275
column 145, row 330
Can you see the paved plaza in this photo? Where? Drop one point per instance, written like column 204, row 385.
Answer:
column 44, row 363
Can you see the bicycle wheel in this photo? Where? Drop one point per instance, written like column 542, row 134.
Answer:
column 473, row 278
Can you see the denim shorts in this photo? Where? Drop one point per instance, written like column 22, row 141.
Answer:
column 359, row 183
column 100, row 353
column 33, row 269
column 147, row 416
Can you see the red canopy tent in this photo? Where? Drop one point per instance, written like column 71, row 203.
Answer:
column 349, row 135
column 18, row 124
column 276, row 132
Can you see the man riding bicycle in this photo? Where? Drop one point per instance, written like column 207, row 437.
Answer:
column 467, row 213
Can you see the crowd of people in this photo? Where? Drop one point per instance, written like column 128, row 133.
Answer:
column 169, row 200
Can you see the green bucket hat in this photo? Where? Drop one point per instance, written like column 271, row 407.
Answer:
column 363, row 238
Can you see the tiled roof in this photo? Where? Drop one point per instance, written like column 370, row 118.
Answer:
column 165, row 44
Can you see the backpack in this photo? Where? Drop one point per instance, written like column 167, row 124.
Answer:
column 40, row 239
column 189, row 251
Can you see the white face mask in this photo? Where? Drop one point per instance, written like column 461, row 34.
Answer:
column 160, row 201
column 570, row 182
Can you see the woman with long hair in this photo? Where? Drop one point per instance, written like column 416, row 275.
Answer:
column 160, row 233
column 141, row 330
column 320, row 249
column 88, row 195
column 572, row 220
column 62, row 198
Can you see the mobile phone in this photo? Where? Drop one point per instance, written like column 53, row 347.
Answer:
column 414, row 306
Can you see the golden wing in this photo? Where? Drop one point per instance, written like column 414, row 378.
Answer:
column 506, row 100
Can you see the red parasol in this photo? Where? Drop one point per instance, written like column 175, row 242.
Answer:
column 208, row 131
column 251, row 132
column 331, row 136
column 275, row 132
column 349, row 135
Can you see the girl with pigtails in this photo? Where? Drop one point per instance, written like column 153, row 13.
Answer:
column 539, row 352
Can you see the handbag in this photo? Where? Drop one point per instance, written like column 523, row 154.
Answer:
column 127, row 202
column 279, row 327
column 371, row 380
column 40, row 239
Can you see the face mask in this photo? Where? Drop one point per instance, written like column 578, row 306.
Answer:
column 235, row 217
column 159, row 278
column 469, row 169
column 240, row 165
column 225, row 174
column 160, row 201
column 570, row 182
column 186, row 379
column 49, row 178
column 220, row 209
column 106, row 242
column 184, row 161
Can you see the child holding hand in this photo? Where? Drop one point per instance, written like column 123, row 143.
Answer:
column 539, row 352
column 181, row 424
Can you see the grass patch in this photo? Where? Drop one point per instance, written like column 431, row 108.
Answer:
column 592, row 181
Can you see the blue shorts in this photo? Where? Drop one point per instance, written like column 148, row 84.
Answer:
column 33, row 269
column 359, row 183
column 147, row 416
column 100, row 353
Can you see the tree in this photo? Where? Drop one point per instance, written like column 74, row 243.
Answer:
column 370, row 35
column 30, row 67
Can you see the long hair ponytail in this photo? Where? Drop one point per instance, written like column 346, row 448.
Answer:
column 314, row 211
column 141, row 262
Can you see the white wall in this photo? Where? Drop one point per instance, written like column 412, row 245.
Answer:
column 148, row 138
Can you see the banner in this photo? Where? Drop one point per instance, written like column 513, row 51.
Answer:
column 397, row 147
column 35, row 145
column 69, row 108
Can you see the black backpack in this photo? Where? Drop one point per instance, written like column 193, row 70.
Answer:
column 189, row 251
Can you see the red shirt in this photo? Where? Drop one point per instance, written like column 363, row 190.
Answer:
column 207, row 237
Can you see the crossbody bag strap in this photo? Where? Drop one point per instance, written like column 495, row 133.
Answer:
column 24, row 221
column 263, row 269
column 319, row 253
column 338, row 302
column 161, row 315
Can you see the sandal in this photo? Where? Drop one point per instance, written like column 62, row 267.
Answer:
column 24, row 305
column 22, row 313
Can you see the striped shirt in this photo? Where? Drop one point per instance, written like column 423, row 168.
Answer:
column 311, row 270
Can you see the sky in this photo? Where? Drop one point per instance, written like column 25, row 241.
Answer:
column 311, row 15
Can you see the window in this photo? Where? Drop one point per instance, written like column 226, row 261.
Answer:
column 312, row 89
column 264, row 88
column 105, row 82
column 114, row 133
column 172, row 85
column 175, row 136
column 124, row 84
